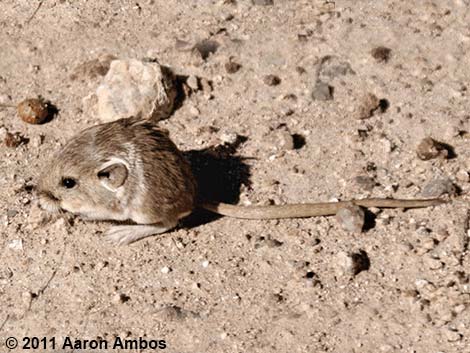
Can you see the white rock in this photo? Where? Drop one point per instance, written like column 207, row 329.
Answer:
column 351, row 218
column 133, row 87
column 350, row 264
column 193, row 82
column 5, row 99
column 119, row 298
column 36, row 141
column 165, row 270
column 462, row 176
column 3, row 133
column 194, row 111
column 228, row 137
column 27, row 297
column 420, row 283
column 16, row 244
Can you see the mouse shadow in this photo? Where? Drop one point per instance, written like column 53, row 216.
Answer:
column 220, row 174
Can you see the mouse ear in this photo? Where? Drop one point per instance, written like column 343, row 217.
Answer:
column 113, row 176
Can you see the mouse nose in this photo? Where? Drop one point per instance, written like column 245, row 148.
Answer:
column 47, row 194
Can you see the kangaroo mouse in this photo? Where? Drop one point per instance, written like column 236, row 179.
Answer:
column 130, row 170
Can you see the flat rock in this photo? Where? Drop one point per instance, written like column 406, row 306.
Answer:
column 438, row 187
column 331, row 67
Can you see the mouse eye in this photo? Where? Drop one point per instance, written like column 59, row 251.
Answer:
column 68, row 183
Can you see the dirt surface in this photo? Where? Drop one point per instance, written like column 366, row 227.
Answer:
column 354, row 88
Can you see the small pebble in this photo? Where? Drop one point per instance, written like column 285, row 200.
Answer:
column 285, row 140
column 101, row 264
column 312, row 281
column 368, row 105
column 285, row 111
column 194, row 111
column 366, row 182
column 442, row 234
column 6, row 100
column 193, row 82
column 13, row 140
column 27, row 297
column 453, row 336
column 3, row 133
column 381, row 54
column 36, row 141
column 429, row 148
column 438, row 187
column 33, row 110
column 206, row 85
column 120, row 298
column 165, row 270
column 423, row 230
column 386, row 348
column 125, row 334
column 351, row 264
column 11, row 213
column 458, row 309
column 428, row 244
column 322, row 91
column 298, row 264
column 432, row 263
column 16, row 244
column 231, row 67
column 405, row 247
column 421, row 283
column 205, row 263
column 228, row 137
column 173, row 313
column 273, row 243
column 271, row 80
column 351, row 218
column 410, row 294
column 331, row 67
column 227, row 17
column 462, row 176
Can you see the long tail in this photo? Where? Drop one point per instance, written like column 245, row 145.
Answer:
column 310, row 209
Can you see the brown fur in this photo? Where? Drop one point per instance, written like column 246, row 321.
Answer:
column 166, row 178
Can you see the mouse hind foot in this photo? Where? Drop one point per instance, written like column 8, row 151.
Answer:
column 124, row 235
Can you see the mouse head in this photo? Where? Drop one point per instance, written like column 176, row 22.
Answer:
column 83, row 180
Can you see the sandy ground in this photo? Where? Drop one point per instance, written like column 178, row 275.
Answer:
column 227, row 285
